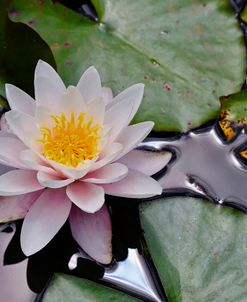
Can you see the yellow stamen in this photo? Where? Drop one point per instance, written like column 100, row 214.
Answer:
column 72, row 140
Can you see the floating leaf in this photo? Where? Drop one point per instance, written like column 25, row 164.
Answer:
column 66, row 288
column 188, row 53
column 199, row 249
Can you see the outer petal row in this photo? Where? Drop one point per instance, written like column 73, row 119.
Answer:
column 93, row 232
column 44, row 220
column 19, row 100
column 134, row 185
column 147, row 162
column 16, row 207
column 18, row 182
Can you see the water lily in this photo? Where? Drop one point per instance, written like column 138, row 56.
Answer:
column 64, row 152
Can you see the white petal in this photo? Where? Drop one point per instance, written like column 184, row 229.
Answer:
column 6, row 133
column 19, row 100
column 17, row 182
column 24, row 126
column 107, row 155
column 4, row 168
column 72, row 101
column 4, row 126
column 118, row 117
column 88, row 197
column 43, row 117
column 134, row 185
column 132, row 135
column 90, row 84
column 52, row 181
column 72, row 173
column 93, row 232
column 35, row 162
column 135, row 94
column 10, row 150
column 147, row 162
column 106, row 94
column 16, row 207
column 48, row 85
column 44, row 219
column 108, row 174
column 96, row 109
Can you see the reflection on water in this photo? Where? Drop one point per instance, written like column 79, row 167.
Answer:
column 13, row 281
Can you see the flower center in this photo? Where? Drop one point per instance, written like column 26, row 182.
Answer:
column 72, row 140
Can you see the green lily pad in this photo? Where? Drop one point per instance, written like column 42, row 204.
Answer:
column 234, row 107
column 20, row 48
column 188, row 53
column 66, row 288
column 199, row 249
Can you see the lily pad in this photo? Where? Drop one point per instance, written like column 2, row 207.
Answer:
column 66, row 288
column 199, row 249
column 188, row 53
column 235, row 107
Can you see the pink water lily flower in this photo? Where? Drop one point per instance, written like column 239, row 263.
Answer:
column 65, row 151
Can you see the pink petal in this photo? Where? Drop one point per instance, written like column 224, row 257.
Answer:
column 52, row 181
column 118, row 117
column 88, row 197
column 90, row 84
column 10, row 150
column 35, row 162
column 133, row 93
column 17, row 182
column 19, row 100
column 24, row 126
column 44, row 220
column 72, row 173
column 134, row 185
column 48, row 85
column 93, row 232
column 106, row 94
column 132, row 135
column 108, row 174
column 109, row 153
column 16, row 207
column 147, row 162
